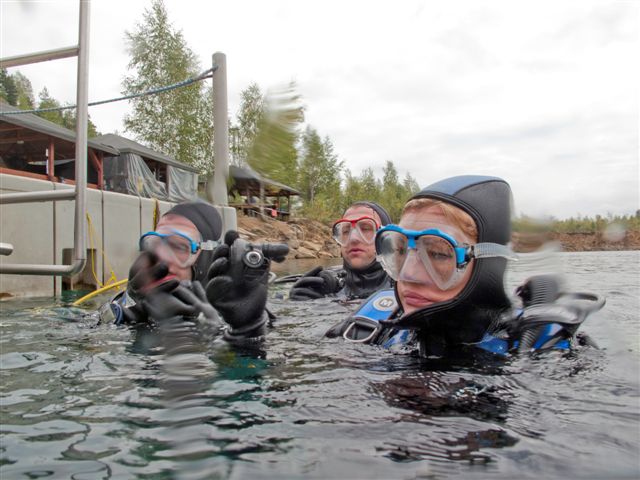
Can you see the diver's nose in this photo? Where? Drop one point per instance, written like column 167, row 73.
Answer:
column 354, row 236
column 413, row 270
column 163, row 253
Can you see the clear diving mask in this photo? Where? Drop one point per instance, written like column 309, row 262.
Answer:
column 364, row 227
column 176, row 246
column 439, row 254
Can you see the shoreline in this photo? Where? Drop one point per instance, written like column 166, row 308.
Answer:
column 309, row 239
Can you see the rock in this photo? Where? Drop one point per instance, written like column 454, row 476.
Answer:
column 293, row 243
column 325, row 255
column 333, row 249
column 245, row 233
column 316, row 247
column 305, row 253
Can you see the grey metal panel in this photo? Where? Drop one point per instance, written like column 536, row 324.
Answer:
column 64, row 229
column 29, row 228
column 121, row 230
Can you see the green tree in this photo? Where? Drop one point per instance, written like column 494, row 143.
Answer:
column 8, row 90
column 177, row 122
column 371, row 187
column 393, row 193
column 410, row 185
column 64, row 118
column 249, row 117
column 24, row 90
column 272, row 151
column 45, row 100
column 69, row 121
column 352, row 190
column 319, row 168
column 319, row 175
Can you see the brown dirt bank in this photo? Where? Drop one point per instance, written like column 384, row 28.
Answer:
column 312, row 239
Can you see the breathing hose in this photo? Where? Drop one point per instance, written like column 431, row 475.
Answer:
column 99, row 291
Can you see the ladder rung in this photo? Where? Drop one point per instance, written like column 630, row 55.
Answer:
column 42, row 196
column 6, row 249
column 34, row 269
column 38, row 57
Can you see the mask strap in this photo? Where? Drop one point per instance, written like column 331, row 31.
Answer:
column 489, row 250
column 209, row 245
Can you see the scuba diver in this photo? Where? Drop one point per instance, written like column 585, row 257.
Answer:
column 361, row 274
column 184, row 272
column 448, row 257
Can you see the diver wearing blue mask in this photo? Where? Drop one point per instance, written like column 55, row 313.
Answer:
column 361, row 273
column 448, row 257
column 185, row 272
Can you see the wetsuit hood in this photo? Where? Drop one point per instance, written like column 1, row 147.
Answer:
column 385, row 218
column 465, row 318
column 362, row 282
column 209, row 223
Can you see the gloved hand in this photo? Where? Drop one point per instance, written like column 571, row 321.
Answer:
column 185, row 300
column 146, row 271
column 133, row 315
column 316, row 283
column 237, row 285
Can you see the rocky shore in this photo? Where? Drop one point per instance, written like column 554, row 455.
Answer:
column 312, row 239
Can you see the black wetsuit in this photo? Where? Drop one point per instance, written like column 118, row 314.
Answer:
column 481, row 314
column 361, row 283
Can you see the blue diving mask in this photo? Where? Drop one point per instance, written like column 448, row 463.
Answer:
column 442, row 258
column 176, row 246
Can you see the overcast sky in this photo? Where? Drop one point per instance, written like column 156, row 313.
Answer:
column 541, row 93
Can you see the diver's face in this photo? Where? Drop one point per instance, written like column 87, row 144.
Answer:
column 416, row 289
column 356, row 252
column 167, row 224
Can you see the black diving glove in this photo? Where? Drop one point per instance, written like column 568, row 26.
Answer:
column 237, row 286
column 146, row 271
column 316, row 283
column 186, row 300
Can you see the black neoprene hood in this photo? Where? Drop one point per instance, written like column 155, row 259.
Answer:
column 486, row 199
column 466, row 317
column 385, row 218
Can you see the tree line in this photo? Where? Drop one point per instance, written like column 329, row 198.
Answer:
column 267, row 134
column 580, row 224
column 17, row 91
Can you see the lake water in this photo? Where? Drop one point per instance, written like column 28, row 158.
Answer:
column 89, row 403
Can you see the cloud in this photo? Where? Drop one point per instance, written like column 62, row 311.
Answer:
column 544, row 94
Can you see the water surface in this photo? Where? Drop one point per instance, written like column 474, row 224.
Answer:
column 80, row 401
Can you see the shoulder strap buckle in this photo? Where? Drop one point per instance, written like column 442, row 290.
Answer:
column 361, row 324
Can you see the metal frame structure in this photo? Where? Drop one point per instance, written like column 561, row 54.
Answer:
column 79, row 194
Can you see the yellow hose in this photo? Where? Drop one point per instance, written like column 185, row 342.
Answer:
column 99, row 291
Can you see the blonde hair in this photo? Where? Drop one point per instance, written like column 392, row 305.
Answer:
column 453, row 214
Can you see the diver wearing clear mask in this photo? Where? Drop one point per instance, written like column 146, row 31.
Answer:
column 361, row 273
column 448, row 256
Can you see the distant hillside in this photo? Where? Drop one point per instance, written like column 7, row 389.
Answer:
column 312, row 239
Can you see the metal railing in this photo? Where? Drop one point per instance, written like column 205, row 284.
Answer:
column 79, row 194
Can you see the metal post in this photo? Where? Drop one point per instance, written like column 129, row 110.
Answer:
column 80, row 222
column 82, row 116
column 38, row 57
column 51, row 154
column 217, row 189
